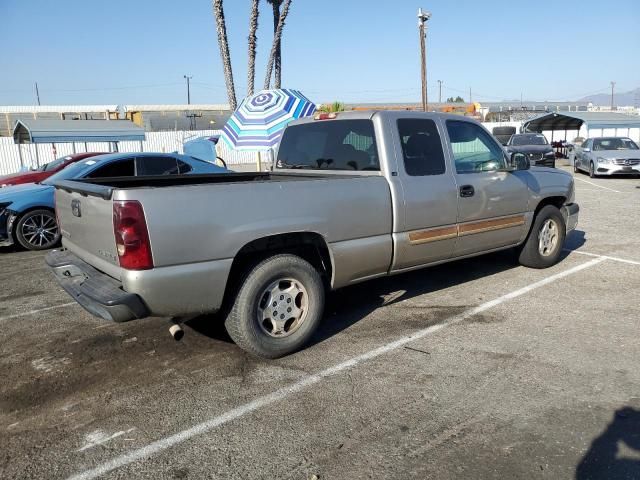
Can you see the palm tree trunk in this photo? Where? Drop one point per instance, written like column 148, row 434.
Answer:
column 218, row 12
column 278, row 60
column 253, row 26
column 277, row 36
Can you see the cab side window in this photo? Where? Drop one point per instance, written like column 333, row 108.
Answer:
column 421, row 147
column 473, row 148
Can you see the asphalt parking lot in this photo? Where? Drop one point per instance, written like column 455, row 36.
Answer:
column 476, row 369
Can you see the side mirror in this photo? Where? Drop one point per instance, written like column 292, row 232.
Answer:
column 519, row 161
column 586, row 150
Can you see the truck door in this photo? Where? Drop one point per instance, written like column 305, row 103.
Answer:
column 492, row 204
column 427, row 232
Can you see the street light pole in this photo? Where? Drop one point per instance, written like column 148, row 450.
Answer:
column 188, row 78
column 440, row 91
column 613, row 84
column 422, row 29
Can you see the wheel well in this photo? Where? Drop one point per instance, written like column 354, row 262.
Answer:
column 557, row 202
column 308, row 245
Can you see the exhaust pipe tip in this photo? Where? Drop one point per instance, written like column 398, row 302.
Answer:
column 176, row 332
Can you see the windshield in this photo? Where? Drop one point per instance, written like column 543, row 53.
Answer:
column 536, row 139
column 600, row 144
column 74, row 170
column 329, row 145
column 47, row 167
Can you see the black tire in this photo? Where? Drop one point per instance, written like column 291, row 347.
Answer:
column 592, row 171
column 259, row 336
column 530, row 254
column 37, row 230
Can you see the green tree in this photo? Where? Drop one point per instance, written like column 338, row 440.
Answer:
column 332, row 107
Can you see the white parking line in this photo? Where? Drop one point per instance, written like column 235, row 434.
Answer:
column 596, row 185
column 31, row 312
column 282, row 393
column 606, row 257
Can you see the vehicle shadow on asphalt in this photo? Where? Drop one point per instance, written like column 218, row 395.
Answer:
column 347, row 306
column 575, row 240
column 615, row 454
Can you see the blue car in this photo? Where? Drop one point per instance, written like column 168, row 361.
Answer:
column 27, row 215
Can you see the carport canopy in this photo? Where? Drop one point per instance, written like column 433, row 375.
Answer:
column 67, row 131
column 575, row 120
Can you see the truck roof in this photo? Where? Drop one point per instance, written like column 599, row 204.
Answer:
column 369, row 114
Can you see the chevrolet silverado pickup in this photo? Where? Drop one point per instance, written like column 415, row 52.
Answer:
column 352, row 196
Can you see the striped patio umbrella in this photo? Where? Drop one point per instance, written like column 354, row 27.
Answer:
column 258, row 122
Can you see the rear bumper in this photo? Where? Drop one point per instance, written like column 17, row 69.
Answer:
column 95, row 291
column 570, row 213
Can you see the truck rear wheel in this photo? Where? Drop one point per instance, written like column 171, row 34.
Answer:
column 543, row 246
column 277, row 308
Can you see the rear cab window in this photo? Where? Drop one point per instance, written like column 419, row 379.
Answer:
column 330, row 145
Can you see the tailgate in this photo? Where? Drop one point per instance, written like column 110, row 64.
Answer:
column 86, row 225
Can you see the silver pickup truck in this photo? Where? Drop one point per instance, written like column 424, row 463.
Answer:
column 353, row 196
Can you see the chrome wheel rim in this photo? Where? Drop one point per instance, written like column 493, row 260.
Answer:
column 282, row 307
column 39, row 230
column 548, row 237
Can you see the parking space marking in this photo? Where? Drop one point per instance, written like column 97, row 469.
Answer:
column 596, row 185
column 38, row 310
column 606, row 257
column 280, row 394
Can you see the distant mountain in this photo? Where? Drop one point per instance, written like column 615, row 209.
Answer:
column 625, row 99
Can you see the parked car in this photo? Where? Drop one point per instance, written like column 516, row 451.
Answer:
column 607, row 156
column 354, row 196
column 45, row 171
column 534, row 146
column 27, row 211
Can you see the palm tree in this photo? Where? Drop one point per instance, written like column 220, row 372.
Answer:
column 277, row 37
column 275, row 4
column 218, row 13
column 253, row 26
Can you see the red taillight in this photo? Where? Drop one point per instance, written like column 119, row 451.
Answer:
column 132, row 237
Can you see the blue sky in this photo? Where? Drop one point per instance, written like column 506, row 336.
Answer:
column 137, row 51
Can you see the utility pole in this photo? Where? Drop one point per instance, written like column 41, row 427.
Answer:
column 422, row 29
column 613, row 84
column 37, row 94
column 470, row 97
column 440, row 91
column 188, row 78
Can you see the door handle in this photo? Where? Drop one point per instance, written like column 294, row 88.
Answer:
column 467, row 191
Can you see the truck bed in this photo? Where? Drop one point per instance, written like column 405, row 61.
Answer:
column 104, row 187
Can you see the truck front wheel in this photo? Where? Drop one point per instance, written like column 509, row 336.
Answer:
column 277, row 308
column 543, row 246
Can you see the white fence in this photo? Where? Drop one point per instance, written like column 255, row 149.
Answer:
column 155, row 142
